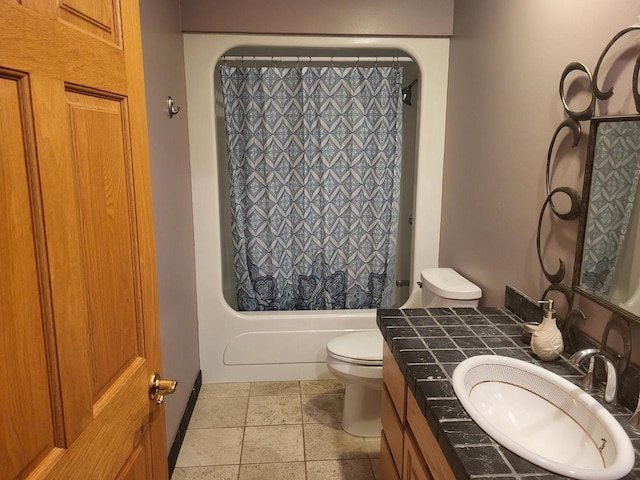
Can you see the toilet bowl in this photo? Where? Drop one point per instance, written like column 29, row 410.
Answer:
column 356, row 358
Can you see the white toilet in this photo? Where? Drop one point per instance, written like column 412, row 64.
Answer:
column 356, row 358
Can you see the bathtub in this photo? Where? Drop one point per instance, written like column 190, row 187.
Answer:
column 254, row 346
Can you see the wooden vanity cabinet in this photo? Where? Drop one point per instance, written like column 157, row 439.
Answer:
column 409, row 450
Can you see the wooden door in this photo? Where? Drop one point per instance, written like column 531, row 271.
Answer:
column 78, row 307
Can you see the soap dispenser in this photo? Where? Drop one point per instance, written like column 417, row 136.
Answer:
column 546, row 340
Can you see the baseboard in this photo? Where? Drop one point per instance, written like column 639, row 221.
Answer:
column 184, row 423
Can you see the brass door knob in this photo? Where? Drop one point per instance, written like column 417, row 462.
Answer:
column 158, row 388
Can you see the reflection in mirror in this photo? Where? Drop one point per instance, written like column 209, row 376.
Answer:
column 608, row 253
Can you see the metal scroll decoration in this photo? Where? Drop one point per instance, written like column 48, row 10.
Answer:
column 572, row 123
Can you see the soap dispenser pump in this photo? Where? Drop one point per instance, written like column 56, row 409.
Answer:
column 546, row 340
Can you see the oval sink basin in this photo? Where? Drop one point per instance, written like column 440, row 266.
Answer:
column 543, row 418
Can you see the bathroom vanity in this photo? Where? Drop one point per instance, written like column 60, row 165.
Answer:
column 426, row 432
column 409, row 449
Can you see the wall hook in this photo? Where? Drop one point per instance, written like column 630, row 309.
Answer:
column 173, row 109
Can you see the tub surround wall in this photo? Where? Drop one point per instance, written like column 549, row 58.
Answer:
column 291, row 345
column 417, row 18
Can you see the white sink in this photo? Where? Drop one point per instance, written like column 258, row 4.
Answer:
column 543, row 418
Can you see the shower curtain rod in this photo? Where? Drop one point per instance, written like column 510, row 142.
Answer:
column 307, row 58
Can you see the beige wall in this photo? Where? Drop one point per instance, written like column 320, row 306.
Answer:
column 173, row 217
column 502, row 109
column 328, row 17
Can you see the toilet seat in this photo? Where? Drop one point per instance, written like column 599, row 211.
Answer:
column 360, row 348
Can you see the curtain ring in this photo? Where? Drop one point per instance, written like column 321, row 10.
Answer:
column 332, row 61
column 298, row 62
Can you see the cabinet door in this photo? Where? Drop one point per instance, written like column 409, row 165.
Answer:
column 392, row 427
column 414, row 467
column 394, row 380
column 387, row 466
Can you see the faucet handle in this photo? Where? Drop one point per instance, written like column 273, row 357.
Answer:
column 587, row 381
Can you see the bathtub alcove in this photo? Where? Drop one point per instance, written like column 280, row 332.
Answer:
column 254, row 346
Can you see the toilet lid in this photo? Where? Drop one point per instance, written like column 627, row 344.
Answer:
column 362, row 348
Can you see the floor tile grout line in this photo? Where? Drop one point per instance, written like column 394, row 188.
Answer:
column 244, row 431
column 304, row 444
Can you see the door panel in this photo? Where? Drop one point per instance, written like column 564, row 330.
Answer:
column 58, row 184
column 100, row 160
column 78, row 304
column 95, row 17
column 28, row 413
column 105, row 445
column 52, row 49
column 136, row 466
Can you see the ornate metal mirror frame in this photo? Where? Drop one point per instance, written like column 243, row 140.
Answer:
column 579, row 203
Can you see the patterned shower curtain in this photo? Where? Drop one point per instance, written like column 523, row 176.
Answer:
column 616, row 167
column 314, row 162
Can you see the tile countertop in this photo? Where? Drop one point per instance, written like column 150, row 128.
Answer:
column 429, row 344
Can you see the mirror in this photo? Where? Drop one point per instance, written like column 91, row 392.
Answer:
column 607, row 267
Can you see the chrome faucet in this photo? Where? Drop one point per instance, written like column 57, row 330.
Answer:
column 611, row 388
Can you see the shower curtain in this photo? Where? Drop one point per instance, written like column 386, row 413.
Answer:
column 314, row 162
column 616, row 167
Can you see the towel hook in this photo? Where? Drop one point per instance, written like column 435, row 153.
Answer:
column 173, row 109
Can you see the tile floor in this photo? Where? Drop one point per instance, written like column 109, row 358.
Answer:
column 274, row 431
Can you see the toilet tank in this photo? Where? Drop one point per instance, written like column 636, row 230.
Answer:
column 444, row 287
